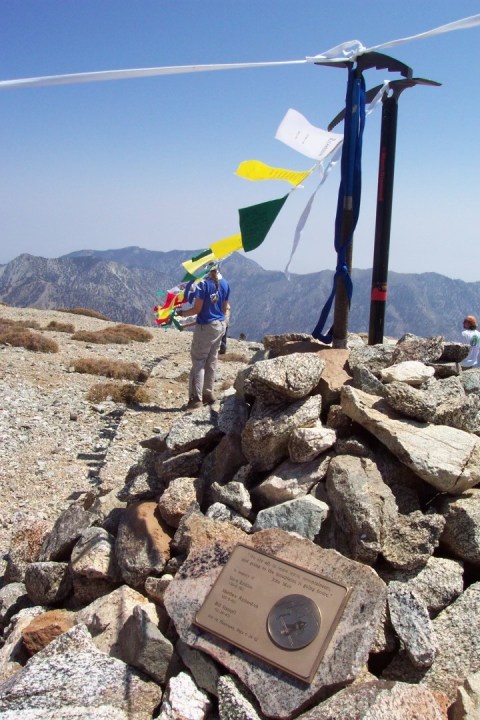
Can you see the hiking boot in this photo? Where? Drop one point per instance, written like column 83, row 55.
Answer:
column 194, row 404
column 208, row 399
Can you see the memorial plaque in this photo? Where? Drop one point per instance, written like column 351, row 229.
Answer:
column 274, row 610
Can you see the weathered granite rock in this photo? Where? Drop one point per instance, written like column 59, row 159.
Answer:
column 234, row 701
column 289, row 377
column 457, row 631
column 291, row 480
column 232, row 415
column 278, row 344
column 143, row 543
column 374, row 357
column 141, row 644
column 71, row 673
column 437, row 584
column 25, row 547
column 106, row 616
column 233, row 494
column 425, row 350
column 183, row 700
column 364, row 506
column 65, row 533
column 197, row 531
column 470, row 380
column 378, row 700
column 155, row 587
column 225, row 460
column 411, row 372
column 13, row 597
column 44, row 628
column 461, row 535
column 410, row 620
column 410, row 401
column 194, row 430
column 93, row 556
column 278, row 694
column 47, row 583
column 447, row 458
column 185, row 464
column 467, row 704
column 364, row 379
column 453, row 352
column 303, row 516
column 13, row 651
column 219, row 511
column 306, row 444
column 266, row 434
column 412, row 539
column 334, row 375
column 205, row 671
column 182, row 494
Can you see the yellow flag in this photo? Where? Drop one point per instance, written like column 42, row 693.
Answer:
column 226, row 246
column 196, row 262
column 256, row 170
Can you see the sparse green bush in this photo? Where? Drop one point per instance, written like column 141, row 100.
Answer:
column 115, row 369
column 119, row 334
column 20, row 336
column 127, row 393
column 84, row 311
column 60, row 327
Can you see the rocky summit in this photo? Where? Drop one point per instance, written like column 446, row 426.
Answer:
column 118, row 517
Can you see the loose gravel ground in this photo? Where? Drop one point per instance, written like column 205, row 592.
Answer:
column 55, row 445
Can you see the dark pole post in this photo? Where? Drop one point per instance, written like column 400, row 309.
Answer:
column 386, row 171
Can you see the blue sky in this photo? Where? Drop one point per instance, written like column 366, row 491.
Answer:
column 150, row 162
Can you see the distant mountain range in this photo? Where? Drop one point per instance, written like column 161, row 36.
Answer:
column 123, row 284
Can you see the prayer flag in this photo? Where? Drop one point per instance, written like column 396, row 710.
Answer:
column 256, row 221
column 224, row 247
column 296, row 132
column 257, row 170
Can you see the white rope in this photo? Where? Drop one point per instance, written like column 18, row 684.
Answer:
column 103, row 75
column 349, row 50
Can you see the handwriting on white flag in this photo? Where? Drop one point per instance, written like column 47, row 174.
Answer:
column 296, row 132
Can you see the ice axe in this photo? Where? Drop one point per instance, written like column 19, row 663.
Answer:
column 388, row 137
column 348, row 205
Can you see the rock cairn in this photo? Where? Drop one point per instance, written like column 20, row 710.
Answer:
column 360, row 464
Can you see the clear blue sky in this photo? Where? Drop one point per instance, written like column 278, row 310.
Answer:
column 150, row 162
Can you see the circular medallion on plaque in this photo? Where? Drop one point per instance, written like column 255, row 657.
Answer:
column 293, row 622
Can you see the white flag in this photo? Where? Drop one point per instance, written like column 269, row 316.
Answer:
column 296, row 132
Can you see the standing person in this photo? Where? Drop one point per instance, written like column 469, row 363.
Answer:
column 471, row 337
column 210, row 304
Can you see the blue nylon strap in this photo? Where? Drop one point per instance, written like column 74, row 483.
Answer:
column 349, row 193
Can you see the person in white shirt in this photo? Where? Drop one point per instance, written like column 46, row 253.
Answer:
column 471, row 337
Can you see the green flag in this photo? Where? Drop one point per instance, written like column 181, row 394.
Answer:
column 256, row 221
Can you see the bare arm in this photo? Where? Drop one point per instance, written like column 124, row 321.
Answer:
column 197, row 306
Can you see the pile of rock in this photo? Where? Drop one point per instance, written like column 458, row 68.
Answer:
column 358, row 464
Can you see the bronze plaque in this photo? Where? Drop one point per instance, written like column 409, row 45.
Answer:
column 274, row 610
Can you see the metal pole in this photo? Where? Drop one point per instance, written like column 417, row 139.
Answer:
column 386, row 171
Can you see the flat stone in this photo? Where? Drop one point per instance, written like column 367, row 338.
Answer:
column 93, row 556
column 303, row 516
column 447, row 458
column 280, row 695
column 71, row 673
column 291, row 480
column 44, row 628
column 411, row 372
column 65, row 533
column 306, row 444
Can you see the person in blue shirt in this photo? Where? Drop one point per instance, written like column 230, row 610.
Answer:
column 210, row 305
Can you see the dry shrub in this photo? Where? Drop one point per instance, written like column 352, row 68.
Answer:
column 60, row 327
column 115, row 369
column 84, row 311
column 19, row 336
column 20, row 323
column 234, row 357
column 127, row 393
column 119, row 334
